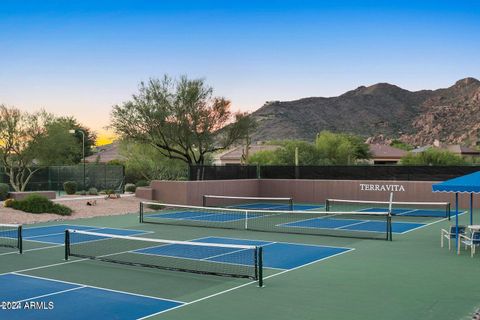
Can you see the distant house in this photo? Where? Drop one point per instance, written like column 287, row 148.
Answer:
column 234, row 156
column 105, row 153
column 384, row 154
column 457, row 149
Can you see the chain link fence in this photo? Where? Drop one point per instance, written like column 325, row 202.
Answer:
column 100, row 176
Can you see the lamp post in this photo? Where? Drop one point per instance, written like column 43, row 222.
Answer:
column 73, row 131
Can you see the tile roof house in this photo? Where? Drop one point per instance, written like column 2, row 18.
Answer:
column 234, row 156
column 384, row 154
column 454, row 148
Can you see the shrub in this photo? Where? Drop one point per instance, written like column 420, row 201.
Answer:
column 4, row 189
column 81, row 193
column 109, row 191
column 93, row 191
column 70, row 187
column 130, row 187
column 8, row 203
column 432, row 157
column 142, row 183
column 35, row 203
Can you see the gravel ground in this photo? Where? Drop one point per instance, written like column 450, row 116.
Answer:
column 124, row 205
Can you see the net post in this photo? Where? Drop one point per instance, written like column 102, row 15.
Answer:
column 327, row 204
column 67, row 244
column 389, row 227
column 141, row 212
column 204, row 200
column 290, row 204
column 20, row 240
column 260, row 266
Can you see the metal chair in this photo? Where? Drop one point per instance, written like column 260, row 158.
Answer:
column 451, row 234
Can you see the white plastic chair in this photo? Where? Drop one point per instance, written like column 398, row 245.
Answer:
column 451, row 234
column 473, row 241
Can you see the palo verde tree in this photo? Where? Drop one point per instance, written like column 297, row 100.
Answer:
column 180, row 118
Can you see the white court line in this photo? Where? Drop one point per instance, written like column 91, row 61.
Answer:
column 51, row 294
column 75, row 226
column 182, row 303
column 207, row 214
column 280, row 242
column 352, row 224
column 244, row 285
column 35, row 249
column 429, row 224
column 405, row 212
column 194, row 259
column 93, row 287
column 335, row 235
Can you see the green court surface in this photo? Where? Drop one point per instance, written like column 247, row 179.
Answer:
column 408, row 278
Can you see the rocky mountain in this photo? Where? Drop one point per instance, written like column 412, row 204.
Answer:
column 381, row 112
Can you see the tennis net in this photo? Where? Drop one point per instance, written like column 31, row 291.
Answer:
column 260, row 203
column 369, row 225
column 409, row 209
column 11, row 236
column 239, row 261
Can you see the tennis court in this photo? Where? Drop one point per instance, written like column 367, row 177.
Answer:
column 60, row 294
column 156, row 279
column 366, row 223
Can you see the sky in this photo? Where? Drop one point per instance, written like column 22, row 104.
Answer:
column 80, row 58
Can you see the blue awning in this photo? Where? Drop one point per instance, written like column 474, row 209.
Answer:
column 469, row 183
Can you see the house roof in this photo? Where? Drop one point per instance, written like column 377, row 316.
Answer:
column 105, row 153
column 421, row 149
column 237, row 152
column 454, row 148
column 386, row 152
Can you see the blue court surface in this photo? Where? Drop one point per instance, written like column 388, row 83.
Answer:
column 56, row 234
column 276, row 255
column 282, row 255
column 272, row 206
column 73, row 301
column 66, row 300
column 213, row 216
column 203, row 216
column 353, row 225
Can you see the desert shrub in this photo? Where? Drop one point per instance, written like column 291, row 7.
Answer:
column 142, row 183
column 70, row 187
column 130, row 187
column 35, row 203
column 4, row 189
column 81, row 193
column 433, row 157
column 93, row 191
column 8, row 203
